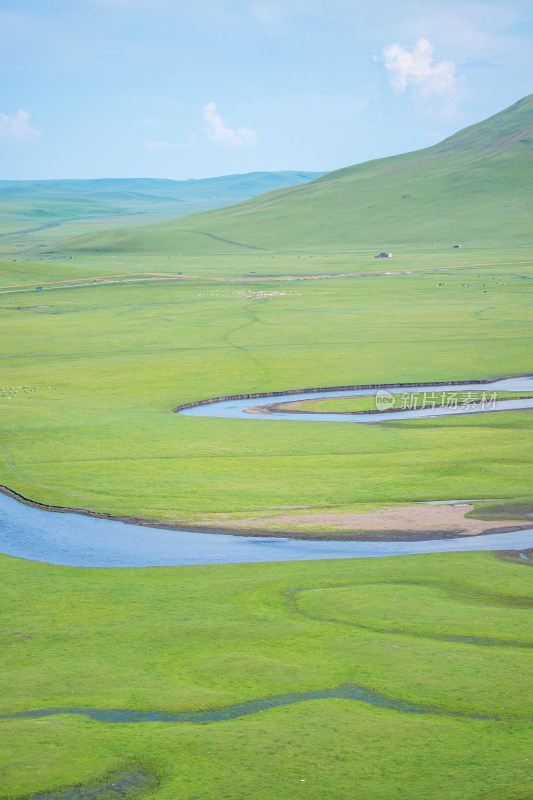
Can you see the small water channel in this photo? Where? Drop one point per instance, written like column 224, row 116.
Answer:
column 345, row 692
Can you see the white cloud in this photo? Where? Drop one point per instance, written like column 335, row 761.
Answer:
column 219, row 132
column 17, row 126
column 166, row 146
column 430, row 80
column 417, row 67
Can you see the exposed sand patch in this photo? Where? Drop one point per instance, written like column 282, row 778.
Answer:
column 418, row 521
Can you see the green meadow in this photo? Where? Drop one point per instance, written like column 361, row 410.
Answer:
column 109, row 362
column 281, row 292
column 178, row 639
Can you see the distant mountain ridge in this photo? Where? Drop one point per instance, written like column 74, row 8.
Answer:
column 474, row 187
column 238, row 186
column 58, row 201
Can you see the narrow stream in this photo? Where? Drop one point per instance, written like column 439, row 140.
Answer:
column 345, row 692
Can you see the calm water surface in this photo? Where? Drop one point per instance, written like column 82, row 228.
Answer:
column 78, row 541
column 237, row 409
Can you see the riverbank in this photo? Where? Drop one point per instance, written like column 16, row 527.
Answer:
column 391, row 524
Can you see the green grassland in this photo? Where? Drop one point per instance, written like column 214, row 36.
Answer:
column 354, row 405
column 118, row 357
column 18, row 213
column 203, row 637
column 224, row 261
column 131, row 323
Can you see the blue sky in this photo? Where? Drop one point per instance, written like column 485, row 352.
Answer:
column 182, row 89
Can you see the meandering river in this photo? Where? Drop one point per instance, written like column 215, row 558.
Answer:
column 238, row 408
column 75, row 540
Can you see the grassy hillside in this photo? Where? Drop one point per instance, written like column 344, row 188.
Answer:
column 473, row 188
column 37, row 216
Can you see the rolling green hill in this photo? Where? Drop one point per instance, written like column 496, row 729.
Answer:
column 29, row 207
column 473, row 188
